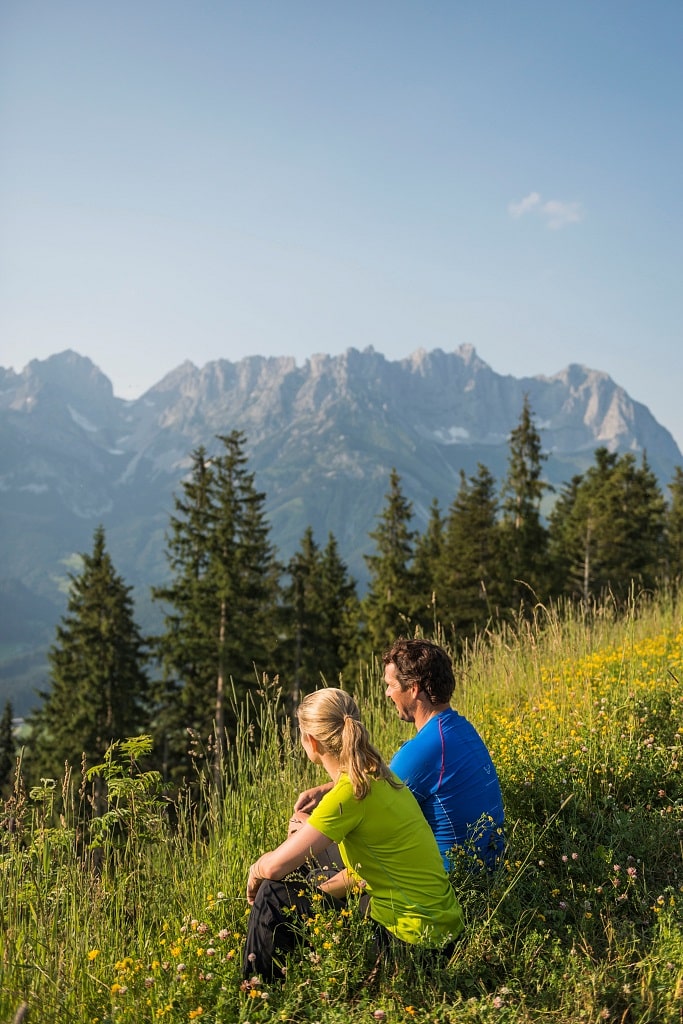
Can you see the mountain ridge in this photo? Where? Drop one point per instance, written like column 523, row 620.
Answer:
column 321, row 438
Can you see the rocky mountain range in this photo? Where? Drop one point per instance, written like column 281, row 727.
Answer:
column 321, row 438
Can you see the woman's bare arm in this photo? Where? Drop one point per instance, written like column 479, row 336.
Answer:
column 289, row 855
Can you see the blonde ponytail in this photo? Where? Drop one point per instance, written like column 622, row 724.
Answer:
column 332, row 717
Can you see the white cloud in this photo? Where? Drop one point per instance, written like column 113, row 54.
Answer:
column 524, row 205
column 556, row 213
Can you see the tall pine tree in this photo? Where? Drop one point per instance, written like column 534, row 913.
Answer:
column 98, row 683
column 467, row 580
column 300, row 654
column 607, row 529
column 341, row 614
column 320, row 610
column 391, row 590
column 426, row 566
column 8, row 750
column 524, row 537
column 674, row 529
column 220, row 605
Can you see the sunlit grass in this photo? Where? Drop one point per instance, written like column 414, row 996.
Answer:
column 584, row 922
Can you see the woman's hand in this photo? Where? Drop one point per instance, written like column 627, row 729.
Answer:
column 253, row 883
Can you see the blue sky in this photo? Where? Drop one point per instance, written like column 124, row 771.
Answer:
column 215, row 180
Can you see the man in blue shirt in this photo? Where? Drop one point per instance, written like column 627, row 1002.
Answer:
column 446, row 764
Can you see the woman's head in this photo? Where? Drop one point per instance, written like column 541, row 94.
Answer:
column 332, row 717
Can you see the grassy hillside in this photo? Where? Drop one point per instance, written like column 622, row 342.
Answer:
column 584, row 923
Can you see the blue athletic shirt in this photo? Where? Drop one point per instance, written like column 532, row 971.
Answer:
column 449, row 770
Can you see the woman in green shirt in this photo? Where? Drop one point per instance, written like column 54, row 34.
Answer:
column 387, row 847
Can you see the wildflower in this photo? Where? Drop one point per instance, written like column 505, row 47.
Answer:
column 223, row 933
column 118, row 990
column 193, row 1014
column 93, row 954
column 379, row 1015
column 211, row 951
column 180, row 968
column 565, row 858
column 575, row 856
column 411, row 1010
column 632, row 872
column 498, row 1002
column 149, row 982
column 202, row 928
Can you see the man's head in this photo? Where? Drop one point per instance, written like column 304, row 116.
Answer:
column 421, row 664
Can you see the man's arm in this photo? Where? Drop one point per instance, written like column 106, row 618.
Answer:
column 310, row 798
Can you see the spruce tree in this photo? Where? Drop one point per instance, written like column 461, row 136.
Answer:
column 98, row 685
column 468, row 587
column 220, row 605
column 524, row 537
column 674, row 529
column 391, row 590
column 341, row 614
column 426, row 567
column 321, row 617
column 607, row 529
column 301, row 653
column 8, row 750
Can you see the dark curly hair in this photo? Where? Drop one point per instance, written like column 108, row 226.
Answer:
column 425, row 664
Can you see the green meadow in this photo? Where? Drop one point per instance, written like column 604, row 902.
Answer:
column 141, row 917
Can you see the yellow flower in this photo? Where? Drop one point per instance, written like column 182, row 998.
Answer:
column 193, row 1014
column 93, row 954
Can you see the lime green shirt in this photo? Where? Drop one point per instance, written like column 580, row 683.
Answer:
column 385, row 840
